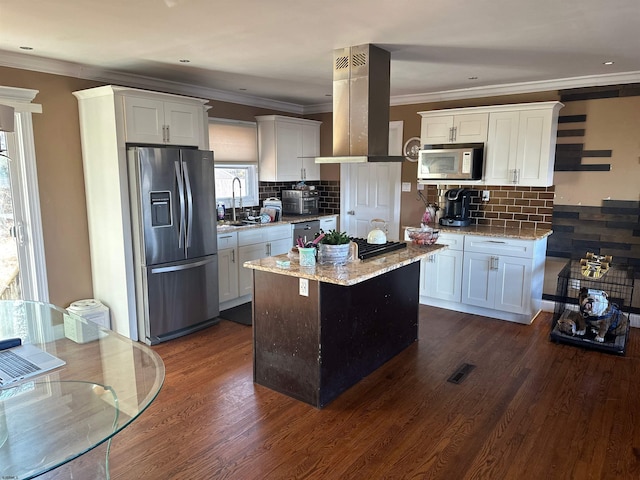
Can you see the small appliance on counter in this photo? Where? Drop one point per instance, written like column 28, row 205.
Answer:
column 300, row 202
column 456, row 208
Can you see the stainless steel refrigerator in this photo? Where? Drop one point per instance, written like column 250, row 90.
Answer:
column 173, row 212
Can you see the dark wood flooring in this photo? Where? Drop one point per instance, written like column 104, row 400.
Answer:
column 530, row 409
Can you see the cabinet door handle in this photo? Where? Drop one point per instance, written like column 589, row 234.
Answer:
column 351, row 212
column 451, row 134
column 233, row 256
column 455, row 133
column 494, row 263
column 268, row 249
column 515, row 176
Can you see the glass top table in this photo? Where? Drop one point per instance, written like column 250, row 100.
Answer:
column 52, row 419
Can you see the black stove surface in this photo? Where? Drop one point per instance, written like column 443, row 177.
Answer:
column 368, row 250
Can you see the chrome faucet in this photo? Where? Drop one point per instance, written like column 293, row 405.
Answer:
column 233, row 196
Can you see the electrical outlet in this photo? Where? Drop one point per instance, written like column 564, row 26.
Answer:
column 303, row 287
column 406, row 186
column 485, row 195
column 420, row 186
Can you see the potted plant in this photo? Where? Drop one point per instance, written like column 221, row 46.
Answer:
column 333, row 248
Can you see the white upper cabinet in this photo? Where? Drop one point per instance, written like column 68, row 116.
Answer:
column 521, row 145
column 158, row 121
column 437, row 128
column 520, row 139
column 286, row 147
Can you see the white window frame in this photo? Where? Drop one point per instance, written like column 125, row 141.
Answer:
column 250, row 189
column 24, row 178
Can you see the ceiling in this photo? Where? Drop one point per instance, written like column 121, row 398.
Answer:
column 279, row 52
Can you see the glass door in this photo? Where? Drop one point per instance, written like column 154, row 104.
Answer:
column 9, row 232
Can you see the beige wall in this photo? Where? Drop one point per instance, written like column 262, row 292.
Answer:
column 60, row 181
column 612, row 124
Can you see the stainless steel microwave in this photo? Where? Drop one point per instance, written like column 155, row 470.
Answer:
column 451, row 162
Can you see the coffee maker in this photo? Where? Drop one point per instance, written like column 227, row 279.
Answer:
column 456, row 208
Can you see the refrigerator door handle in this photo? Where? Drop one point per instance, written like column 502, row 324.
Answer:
column 186, row 266
column 187, row 183
column 182, row 206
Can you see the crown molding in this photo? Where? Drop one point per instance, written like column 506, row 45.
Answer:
column 20, row 99
column 505, row 89
column 70, row 69
column 76, row 70
column 516, row 88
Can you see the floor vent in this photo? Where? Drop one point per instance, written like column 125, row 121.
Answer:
column 461, row 373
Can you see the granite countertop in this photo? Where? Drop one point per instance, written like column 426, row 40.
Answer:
column 286, row 220
column 487, row 231
column 350, row 273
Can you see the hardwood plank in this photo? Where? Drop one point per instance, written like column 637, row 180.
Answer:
column 530, row 409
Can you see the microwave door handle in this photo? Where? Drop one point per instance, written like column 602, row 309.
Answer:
column 181, row 199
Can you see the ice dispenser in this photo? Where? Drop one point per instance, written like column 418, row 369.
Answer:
column 160, row 209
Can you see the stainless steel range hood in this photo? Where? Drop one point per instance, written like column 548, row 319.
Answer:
column 360, row 106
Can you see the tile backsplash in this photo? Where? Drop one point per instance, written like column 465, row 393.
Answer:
column 508, row 206
column 328, row 192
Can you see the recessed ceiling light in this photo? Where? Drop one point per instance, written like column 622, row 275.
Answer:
column 26, row 48
column 184, row 60
column 609, row 62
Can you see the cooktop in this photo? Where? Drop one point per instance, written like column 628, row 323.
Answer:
column 368, row 250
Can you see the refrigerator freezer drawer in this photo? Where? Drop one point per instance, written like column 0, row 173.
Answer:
column 181, row 298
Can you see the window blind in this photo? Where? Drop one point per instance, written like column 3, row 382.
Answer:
column 233, row 141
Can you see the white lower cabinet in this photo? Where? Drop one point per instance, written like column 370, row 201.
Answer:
column 235, row 248
column 228, row 266
column 442, row 272
column 484, row 275
column 329, row 223
column 496, row 281
column 257, row 243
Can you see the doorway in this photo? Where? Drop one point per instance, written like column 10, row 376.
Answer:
column 9, row 265
column 22, row 261
column 372, row 191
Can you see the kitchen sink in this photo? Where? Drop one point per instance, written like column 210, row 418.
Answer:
column 237, row 223
column 230, row 223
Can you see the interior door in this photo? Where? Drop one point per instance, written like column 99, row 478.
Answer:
column 372, row 190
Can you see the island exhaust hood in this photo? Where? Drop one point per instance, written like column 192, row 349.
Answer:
column 360, row 106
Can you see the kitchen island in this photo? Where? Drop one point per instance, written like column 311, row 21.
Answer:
column 319, row 330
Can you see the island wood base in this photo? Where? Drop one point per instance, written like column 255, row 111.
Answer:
column 314, row 348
